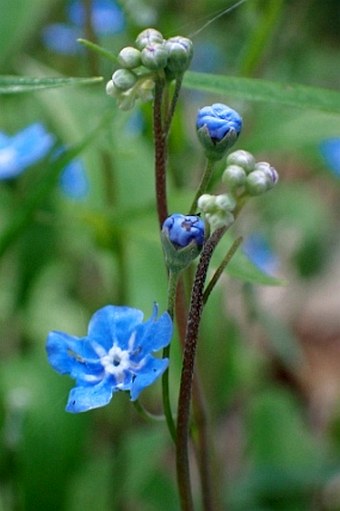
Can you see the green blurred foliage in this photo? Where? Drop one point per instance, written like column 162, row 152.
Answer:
column 62, row 259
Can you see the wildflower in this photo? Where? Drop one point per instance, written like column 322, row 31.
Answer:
column 106, row 17
column 182, row 239
column 259, row 252
column 330, row 150
column 114, row 356
column 73, row 180
column 218, row 127
column 23, row 149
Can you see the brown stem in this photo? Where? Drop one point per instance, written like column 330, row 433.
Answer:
column 160, row 154
column 194, row 318
column 199, row 409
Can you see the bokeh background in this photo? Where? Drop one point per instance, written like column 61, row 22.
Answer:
column 269, row 354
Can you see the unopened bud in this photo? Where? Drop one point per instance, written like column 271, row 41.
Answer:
column 124, row 79
column 243, row 159
column 129, row 58
column 148, row 36
column 154, row 56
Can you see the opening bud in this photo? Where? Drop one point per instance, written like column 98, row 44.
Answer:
column 182, row 240
column 218, row 128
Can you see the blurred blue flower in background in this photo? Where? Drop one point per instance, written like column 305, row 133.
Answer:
column 29, row 146
column 107, row 19
column 330, row 150
column 114, row 356
column 73, row 180
column 258, row 250
column 19, row 151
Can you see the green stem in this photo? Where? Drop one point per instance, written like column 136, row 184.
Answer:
column 171, row 110
column 172, row 286
column 147, row 415
column 226, row 260
column 203, row 185
column 183, row 417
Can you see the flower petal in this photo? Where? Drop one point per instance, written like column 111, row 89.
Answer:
column 114, row 324
column 153, row 335
column 152, row 369
column 82, row 399
column 73, row 356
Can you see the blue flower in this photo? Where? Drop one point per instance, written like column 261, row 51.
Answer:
column 330, row 150
column 73, row 180
column 183, row 229
column 114, row 356
column 219, row 119
column 258, row 250
column 107, row 18
column 19, row 151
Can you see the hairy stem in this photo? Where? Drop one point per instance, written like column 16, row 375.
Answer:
column 160, row 154
column 183, row 418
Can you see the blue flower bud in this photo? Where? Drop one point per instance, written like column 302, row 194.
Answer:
column 218, row 127
column 182, row 239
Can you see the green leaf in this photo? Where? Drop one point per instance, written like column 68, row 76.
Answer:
column 254, row 89
column 16, row 84
column 107, row 54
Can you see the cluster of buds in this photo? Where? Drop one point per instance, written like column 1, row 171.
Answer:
column 153, row 57
column 218, row 209
column 244, row 177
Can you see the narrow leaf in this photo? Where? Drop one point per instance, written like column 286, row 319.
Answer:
column 254, row 89
column 99, row 49
column 16, row 84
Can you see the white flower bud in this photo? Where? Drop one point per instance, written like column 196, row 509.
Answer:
column 243, row 159
column 129, row 57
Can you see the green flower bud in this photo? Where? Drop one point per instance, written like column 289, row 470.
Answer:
column 234, row 176
column 269, row 171
column 145, row 89
column 148, row 36
column 180, row 50
column 154, row 56
column 129, row 58
column 124, row 79
column 206, row 202
column 242, row 159
column 220, row 219
column 257, row 182
column 225, row 202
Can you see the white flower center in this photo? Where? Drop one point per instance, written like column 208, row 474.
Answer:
column 116, row 361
